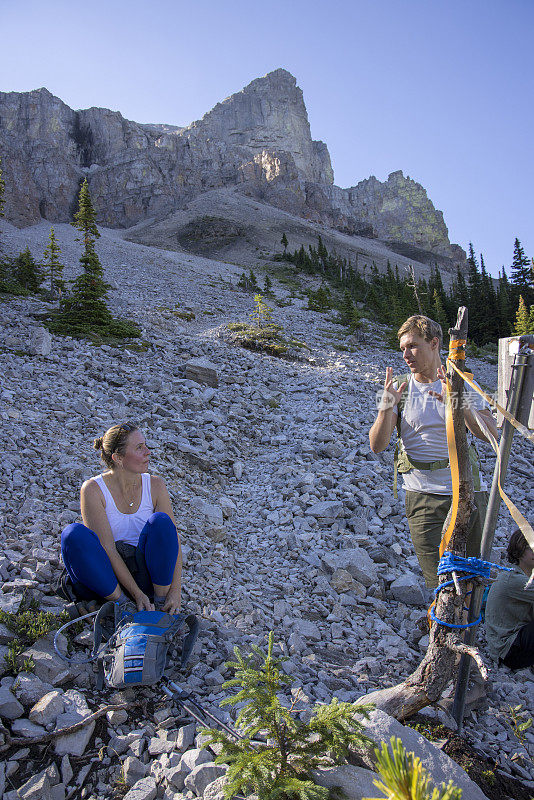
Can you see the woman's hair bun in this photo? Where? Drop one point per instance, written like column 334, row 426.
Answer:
column 98, row 443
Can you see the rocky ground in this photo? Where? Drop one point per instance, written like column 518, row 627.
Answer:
column 288, row 522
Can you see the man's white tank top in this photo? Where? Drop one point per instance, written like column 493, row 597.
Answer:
column 127, row 527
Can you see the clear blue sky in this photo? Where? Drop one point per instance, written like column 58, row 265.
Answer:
column 441, row 89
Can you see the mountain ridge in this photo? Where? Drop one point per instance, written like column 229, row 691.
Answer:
column 256, row 141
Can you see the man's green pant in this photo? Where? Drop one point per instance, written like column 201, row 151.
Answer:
column 426, row 514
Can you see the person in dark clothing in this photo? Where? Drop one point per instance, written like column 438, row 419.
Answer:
column 510, row 608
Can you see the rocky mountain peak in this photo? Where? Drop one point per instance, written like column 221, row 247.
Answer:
column 257, row 142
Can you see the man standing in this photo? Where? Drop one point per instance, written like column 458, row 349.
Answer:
column 422, row 455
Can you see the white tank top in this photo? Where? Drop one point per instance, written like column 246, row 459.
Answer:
column 127, row 527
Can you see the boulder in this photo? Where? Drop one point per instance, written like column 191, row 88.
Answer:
column 406, row 589
column 144, row 789
column 202, row 371
column 76, row 709
column 29, row 689
column 48, row 708
column 381, row 727
column 10, row 708
column 356, row 783
column 48, row 665
column 328, row 509
column 355, row 561
column 40, row 342
column 202, row 775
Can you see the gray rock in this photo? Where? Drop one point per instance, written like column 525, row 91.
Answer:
column 144, row 789
column 23, row 727
column 381, row 727
column 66, row 770
column 213, row 513
column 355, row 782
column 330, row 509
column 29, row 689
column 407, row 590
column 202, row 775
column 48, row 708
column 215, row 789
column 355, row 561
column 191, row 758
column 10, row 708
column 76, row 709
column 41, row 342
column 307, row 629
column 48, row 665
column 186, row 737
column 37, row 788
column 133, row 770
column 202, row 371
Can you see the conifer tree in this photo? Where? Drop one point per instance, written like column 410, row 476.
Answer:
column 284, row 242
column 438, row 313
column 268, row 286
column 280, row 765
column 27, row 273
column 86, row 302
column 504, row 304
column 53, row 266
column 85, row 218
column 522, row 278
column 522, row 318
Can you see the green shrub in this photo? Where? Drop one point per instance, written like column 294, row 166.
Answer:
column 280, row 764
column 28, row 626
column 319, row 300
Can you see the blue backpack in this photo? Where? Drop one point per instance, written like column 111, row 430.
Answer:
column 136, row 653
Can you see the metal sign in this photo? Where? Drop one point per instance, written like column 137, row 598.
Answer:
column 508, row 349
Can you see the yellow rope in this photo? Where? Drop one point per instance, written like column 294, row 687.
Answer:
column 524, row 431
column 455, row 472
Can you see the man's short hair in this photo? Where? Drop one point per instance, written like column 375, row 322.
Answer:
column 516, row 547
column 422, row 325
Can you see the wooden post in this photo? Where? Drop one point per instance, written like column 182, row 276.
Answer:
column 426, row 684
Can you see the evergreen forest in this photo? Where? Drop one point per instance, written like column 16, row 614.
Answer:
column 497, row 308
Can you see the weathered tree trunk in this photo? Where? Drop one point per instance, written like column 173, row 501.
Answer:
column 426, row 684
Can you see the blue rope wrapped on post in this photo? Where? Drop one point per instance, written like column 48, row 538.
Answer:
column 471, row 568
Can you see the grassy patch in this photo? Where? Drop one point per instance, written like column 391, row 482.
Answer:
column 28, row 626
column 269, row 339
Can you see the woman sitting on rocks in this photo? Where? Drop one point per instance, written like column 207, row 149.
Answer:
column 510, row 609
column 128, row 530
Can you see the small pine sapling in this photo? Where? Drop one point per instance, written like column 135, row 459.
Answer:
column 403, row 777
column 252, row 282
column 53, row 266
column 262, row 314
column 278, row 766
column 27, row 273
column 268, row 287
column 284, row 242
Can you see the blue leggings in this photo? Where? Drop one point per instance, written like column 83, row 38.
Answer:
column 89, row 566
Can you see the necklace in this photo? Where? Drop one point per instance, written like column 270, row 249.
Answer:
column 130, row 505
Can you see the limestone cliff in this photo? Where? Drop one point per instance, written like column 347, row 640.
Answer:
column 257, row 140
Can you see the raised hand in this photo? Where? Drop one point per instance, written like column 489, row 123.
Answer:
column 442, row 375
column 390, row 395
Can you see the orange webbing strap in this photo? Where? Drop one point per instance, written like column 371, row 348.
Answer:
column 455, row 472
column 512, row 420
column 457, row 349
